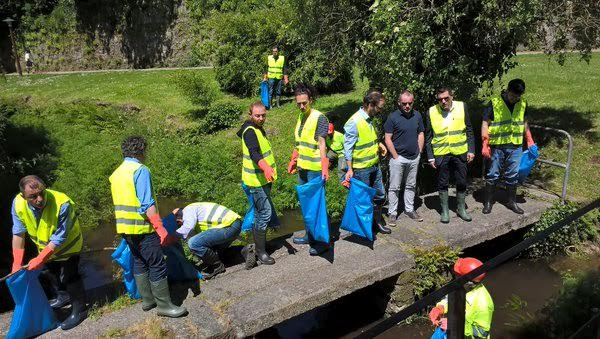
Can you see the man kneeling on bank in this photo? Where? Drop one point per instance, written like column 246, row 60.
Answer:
column 216, row 227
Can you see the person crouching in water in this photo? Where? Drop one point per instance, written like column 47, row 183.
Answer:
column 216, row 227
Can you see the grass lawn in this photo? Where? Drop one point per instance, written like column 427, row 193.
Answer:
column 86, row 136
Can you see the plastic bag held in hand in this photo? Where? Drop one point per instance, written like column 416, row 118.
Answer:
column 157, row 224
column 18, row 254
column 41, row 258
column 293, row 161
column 268, row 170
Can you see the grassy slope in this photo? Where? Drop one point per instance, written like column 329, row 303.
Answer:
column 88, row 147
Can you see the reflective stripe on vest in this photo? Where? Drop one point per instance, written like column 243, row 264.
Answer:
column 365, row 150
column 451, row 139
column 275, row 70
column 122, row 187
column 252, row 175
column 336, row 143
column 214, row 216
column 309, row 155
column 479, row 308
column 40, row 232
column 507, row 127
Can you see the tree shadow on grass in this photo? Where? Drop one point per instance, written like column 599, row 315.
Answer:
column 568, row 119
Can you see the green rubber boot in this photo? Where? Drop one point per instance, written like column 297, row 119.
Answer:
column 143, row 285
column 160, row 290
column 461, row 209
column 444, row 216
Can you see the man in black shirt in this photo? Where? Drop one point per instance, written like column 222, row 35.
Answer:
column 404, row 139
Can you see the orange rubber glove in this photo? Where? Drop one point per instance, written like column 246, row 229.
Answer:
column 293, row 161
column 268, row 170
column 330, row 129
column 444, row 324
column 529, row 138
column 18, row 254
column 40, row 260
column 325, row 168
column 160, row 229
column 486, row 151
column 435, row 314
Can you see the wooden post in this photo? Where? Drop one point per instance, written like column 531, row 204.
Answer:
column 456, row 314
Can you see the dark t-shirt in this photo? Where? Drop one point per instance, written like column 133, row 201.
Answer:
column 405, row 131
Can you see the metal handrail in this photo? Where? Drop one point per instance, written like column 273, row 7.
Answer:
column 567, row 165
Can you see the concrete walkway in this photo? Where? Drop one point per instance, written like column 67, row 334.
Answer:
column 240, row 303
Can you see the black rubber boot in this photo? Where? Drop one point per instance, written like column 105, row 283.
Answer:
column 303, row 240
column 260, row 239
column 379, row 221
column 62, row 299
column 162, row 296
column 461, row 206
column 143, row 285
column 212, row 265
column 78, row 306
column 445, row 215
column 249, row 255
column 512, row 199
column 489, row 198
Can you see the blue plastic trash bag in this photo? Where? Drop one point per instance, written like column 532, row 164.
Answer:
column 314, row 208
column 122, row 256
column 264, row 94
column 438, row 334
column 358, row 214
column 33, row 315
column 527, row 162
column 249, row 217
column 179, row 268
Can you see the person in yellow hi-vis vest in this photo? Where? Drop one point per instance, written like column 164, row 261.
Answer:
column 139, row 223
column 309, row 157
column 361, row 150
column 49, row 218
column 258, row 172
column 479, row 306
column 450, row 145
column 503, row 127
column 276, row 72
column 335, row 146
column 216, row 227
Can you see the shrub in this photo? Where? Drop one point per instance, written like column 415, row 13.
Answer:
column 432, row 267
column 575, row 233
column 221, row 114
column 197, row 88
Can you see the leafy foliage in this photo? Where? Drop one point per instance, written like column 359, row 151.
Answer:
column 432, row 267
column 222, row 114
column 197, row 87
column 574, row 233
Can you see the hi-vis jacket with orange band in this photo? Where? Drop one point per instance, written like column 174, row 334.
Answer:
column 40, row 232
column 127, row 204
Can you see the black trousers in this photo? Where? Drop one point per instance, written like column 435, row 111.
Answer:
column 455, row 163
column 63, row 273
column 147, row 255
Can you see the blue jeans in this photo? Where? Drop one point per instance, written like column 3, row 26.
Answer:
column 372, row 177
column 305, row 176
column 264, row 211
column 214, row 239
column 147, row 255
column 274, row 86
column 507, row 159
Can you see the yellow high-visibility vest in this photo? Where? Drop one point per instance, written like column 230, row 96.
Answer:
column 252, row 175
column 479, row 309
column 309, row 156
column 215, row 216
column 365, row 150
column 336, row 143
column 507, row 127
column 450, row 139
column 40, row 232
column 275, row 70
column 122, row 187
